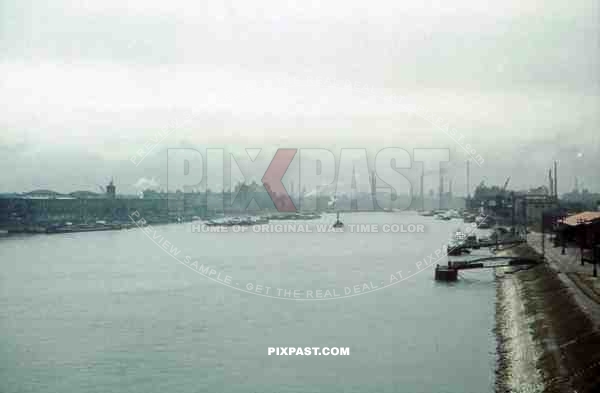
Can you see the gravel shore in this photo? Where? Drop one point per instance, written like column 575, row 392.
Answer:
column 546, row 342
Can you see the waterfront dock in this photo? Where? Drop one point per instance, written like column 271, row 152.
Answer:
column 450, row 272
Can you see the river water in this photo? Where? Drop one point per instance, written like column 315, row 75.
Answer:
column 113, row 312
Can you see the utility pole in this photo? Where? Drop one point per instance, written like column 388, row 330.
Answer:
column 512, row 213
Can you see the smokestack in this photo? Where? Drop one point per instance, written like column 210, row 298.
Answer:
column 555, row 181
column 551, row 183
column 422, row 193
column 374, row 183
column 441, row 186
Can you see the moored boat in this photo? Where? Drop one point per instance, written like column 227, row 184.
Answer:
column 237, row 221
column 70, row 228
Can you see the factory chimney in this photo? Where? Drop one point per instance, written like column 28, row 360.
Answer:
column 555, row 180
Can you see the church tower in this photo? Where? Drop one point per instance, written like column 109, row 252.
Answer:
column 111, row 190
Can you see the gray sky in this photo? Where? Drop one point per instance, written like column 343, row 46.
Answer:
column 84, row 84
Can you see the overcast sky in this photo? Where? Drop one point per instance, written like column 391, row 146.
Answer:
column 83, row 84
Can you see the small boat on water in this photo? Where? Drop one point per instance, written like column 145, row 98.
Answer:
column 471, row 241
column 426, row 213
column 455, row 249
column 338, row 223
column 468, row 218
column 70, row 228
column 296, row 216
column 239, row 221
column 484, row 239
column 445, row 215
column 484, row 225
column 452, row 214
column 484, row 222
column 457, row 245
column 460, row 236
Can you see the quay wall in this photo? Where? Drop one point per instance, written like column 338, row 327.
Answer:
column 546, row 341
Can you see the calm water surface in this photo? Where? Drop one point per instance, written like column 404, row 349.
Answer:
column 110, row 312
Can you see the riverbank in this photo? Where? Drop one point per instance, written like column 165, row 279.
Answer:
column 546, row 342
